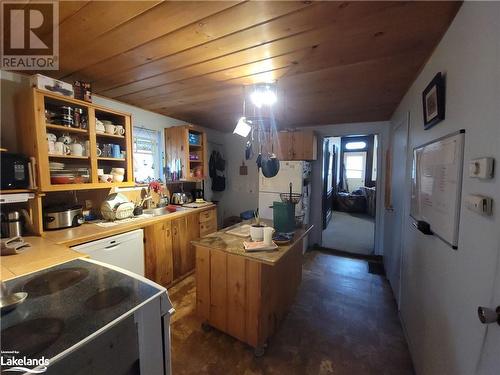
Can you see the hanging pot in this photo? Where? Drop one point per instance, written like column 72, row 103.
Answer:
column 270, row 163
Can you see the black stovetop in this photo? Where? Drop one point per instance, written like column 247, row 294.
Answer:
column 66, row 304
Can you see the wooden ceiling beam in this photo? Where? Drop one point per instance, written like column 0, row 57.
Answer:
column 201, row 32
column 158, row 21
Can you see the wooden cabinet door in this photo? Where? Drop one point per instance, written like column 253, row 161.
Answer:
column 304, row 145
column 179, row 246
column 193, row 233
column 282, row 144
column 158, row 253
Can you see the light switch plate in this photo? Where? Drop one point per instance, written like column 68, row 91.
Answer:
column 481, row 168
column 479, row 203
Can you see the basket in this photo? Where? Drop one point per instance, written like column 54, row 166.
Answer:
column 293, row 198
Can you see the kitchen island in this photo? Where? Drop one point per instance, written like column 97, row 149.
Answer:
column 246, row 294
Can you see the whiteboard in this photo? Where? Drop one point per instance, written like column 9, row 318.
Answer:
column 437, row 185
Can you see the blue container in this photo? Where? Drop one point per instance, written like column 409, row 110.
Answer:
column 194, row 139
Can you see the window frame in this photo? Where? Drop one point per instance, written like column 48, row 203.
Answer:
column 154, row 136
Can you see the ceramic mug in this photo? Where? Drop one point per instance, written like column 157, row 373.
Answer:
column 120, row 130
column 66, row 139
column 51, row 146
column 116, row 152
column 100, row 172
column 99, row 151
column 257, row 232
column 110, row 128
column 61, row 148
column 99, row 126
column 76, row 149
column 51, row 137
column 268, row 236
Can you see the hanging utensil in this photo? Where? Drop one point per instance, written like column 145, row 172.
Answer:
column 270, row 163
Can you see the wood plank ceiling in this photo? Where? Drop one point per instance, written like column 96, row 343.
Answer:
column 333, row 61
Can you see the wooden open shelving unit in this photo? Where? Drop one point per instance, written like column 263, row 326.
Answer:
column 31, row 109
column 178, row 147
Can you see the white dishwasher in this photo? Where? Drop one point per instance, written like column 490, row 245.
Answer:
column 123, row 250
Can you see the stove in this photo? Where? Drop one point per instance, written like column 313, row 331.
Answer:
column 75, row 311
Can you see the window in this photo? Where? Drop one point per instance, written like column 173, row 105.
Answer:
column 355, row 145
column 147, row 159
column 355, row 165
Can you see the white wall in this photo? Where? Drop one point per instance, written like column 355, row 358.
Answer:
column 382, row 129
column 242, row 192
column 441, row 287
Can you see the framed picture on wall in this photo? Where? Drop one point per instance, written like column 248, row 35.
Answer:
column 433, row 100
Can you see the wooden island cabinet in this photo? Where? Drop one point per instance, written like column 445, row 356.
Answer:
column 246, row 295
column 169, row 255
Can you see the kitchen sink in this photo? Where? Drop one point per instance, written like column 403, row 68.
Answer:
column 157, row 211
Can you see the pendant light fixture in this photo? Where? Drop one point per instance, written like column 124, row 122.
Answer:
column 262, row 94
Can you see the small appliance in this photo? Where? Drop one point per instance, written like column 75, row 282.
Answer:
column 198, row 195
column 15, row 171
column 63, row 217
column 12, row 226
column 181, row 198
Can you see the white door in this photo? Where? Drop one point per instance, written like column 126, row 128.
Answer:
column 489, row 357
column 397, row 213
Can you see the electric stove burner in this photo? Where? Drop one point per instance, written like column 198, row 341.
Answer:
column 54, row 281
column 32, row 336
column 107, row 298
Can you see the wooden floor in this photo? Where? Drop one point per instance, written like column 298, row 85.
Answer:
column 344, row 321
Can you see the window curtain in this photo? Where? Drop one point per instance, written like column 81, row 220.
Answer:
column 147, row 159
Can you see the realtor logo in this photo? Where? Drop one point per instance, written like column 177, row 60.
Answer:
column 30, row 35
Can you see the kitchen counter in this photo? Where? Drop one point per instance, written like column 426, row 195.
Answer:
column 234, row 245
column 42, row 254
column 91, row 232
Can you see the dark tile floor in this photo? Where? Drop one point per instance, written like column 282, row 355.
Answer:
column 344, row 321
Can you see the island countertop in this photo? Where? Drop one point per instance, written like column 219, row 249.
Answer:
column 234, row 245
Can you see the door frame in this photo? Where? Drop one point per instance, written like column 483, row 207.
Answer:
column 378, row 235
column 404, row 120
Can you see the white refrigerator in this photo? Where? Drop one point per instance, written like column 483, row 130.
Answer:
column 296, row 172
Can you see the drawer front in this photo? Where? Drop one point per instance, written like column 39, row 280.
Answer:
column 208, row 227
column 208, row 215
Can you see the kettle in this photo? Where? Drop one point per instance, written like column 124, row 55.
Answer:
column 11, row 224
column 181, row 198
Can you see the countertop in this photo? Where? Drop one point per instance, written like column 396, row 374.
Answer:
column 91, row 232
column 233, row 244
column 53, row 248
column 42, row 254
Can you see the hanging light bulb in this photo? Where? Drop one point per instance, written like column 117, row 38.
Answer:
column 263, row 95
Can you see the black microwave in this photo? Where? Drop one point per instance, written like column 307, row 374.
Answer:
column 14, row 174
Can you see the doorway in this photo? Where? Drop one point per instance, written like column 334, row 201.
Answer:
column 349, row 193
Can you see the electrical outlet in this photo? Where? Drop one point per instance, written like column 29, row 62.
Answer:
column 88, row 204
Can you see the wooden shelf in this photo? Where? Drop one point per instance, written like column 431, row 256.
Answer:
column 106, row 135
column 111, row 159
column 196, row 161
column 67, row 129
column 89, row 185
column 16, row 191
column 195, row 146
column 68, row 157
